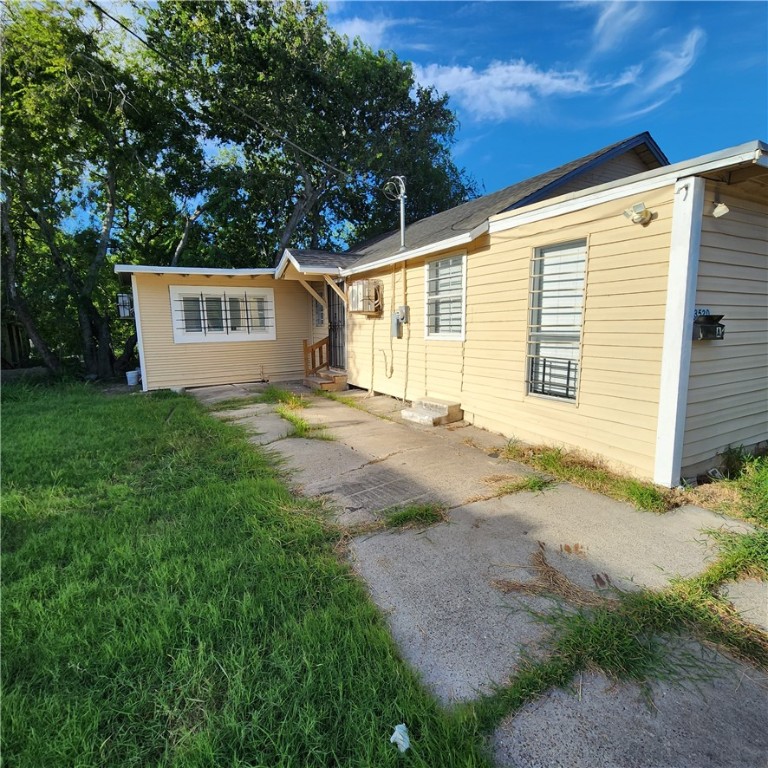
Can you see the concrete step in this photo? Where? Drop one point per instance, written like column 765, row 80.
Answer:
column 433, row 411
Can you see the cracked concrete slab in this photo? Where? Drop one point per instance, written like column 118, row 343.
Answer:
column 719, row 722
column 604, row 536
column 219, row 393
column 461, row 635
column 750, row 599
column 263, row 427
column 435, row 586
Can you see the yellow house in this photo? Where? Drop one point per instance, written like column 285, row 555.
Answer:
column 580, row 308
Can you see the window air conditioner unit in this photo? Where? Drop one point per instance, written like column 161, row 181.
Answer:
column 366, row 297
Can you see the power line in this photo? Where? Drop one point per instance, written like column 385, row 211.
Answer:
column 176, row 67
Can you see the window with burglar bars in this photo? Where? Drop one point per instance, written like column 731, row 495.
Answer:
column 218, row 314
column 554, row 331
column 445, row 298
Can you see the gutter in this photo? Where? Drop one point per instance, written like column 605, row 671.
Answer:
column 424, row 250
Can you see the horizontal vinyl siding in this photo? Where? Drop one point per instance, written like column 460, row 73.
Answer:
column 728, row 383
column 615, row 415
column 619, row 167
column 168, row 364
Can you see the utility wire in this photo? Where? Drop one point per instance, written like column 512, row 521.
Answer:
column 176, row 67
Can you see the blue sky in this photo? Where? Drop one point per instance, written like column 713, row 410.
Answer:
column 535, row 84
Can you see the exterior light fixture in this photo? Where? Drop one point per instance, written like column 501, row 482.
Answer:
column 639, row 214
column 720, row 209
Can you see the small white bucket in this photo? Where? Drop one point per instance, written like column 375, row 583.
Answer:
column 132, row 377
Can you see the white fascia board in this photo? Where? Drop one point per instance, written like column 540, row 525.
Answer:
column 139, row 337
column 285, row 259
column 644, row 182
column 288, row 258
column 684, row 249
column 424, row 250
column 135, row 269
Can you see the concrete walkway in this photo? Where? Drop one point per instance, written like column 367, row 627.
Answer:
column 464, row 636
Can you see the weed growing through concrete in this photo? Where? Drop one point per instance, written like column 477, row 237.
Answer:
column 532, row 483
column 592, row 475
column 414, row 515
column 626, row 634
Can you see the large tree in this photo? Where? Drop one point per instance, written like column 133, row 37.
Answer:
column 320, row 122
column 90, row 158
column 239, row 129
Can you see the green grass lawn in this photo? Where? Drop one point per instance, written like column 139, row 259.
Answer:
column 167, row 602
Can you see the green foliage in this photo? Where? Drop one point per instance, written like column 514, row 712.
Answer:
column 753, row 485
column 113, row 153
column 532, row 483
column 168, row 602
column 414, row 515
column 590, row 474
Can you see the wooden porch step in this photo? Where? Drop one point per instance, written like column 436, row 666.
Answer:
column 329, row 381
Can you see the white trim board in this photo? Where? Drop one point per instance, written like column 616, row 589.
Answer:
column 678, row 323
column 139, row 338
column 136, row 269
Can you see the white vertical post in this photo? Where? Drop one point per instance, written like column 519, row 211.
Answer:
column 139, row 339
column 678, row 327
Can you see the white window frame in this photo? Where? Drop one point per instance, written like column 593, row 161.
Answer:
column 460, row 293
column 250, row 332
column 565, row 337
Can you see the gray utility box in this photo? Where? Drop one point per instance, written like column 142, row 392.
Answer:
column 708, row 327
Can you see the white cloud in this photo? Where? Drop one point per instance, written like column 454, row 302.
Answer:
column 504, row 90
column 669, row 65
column 615, row 21
column 370, row 31
column 507, row 90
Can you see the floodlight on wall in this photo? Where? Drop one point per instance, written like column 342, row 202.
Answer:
column 720, row 209
column 639, row 214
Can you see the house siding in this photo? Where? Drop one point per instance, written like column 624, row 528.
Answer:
column 167, row 364
column 619, row 167
column 625, row 297
column 728, row 381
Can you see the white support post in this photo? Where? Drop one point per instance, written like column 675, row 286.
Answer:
column 678, row 328
column 139, row 338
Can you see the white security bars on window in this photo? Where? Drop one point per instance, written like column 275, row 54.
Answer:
column 445, row 297
column 222, row 315
column 554, row 331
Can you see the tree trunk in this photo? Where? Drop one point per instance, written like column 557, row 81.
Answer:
column 124, row 361
column 50, row 359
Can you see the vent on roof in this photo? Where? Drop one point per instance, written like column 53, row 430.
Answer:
column 366, row 297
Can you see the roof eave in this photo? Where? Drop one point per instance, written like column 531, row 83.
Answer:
column 425, row 250
column 751, row 152
column 152, row 270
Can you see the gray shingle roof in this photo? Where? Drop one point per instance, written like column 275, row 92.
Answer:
column 464, row 218
column 322, row 259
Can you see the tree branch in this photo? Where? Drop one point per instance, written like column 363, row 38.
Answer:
column 15, row 298
column 188, row 222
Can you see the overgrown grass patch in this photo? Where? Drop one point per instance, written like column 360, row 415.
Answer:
column 414, row 515
column 168, row 602
column 592, row 475
column 532, row 483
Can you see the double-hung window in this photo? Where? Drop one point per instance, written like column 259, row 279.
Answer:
column 556, row 308
column 202, row 313
column 444, row 299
